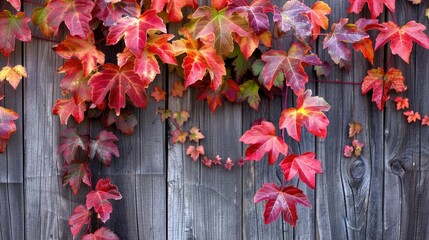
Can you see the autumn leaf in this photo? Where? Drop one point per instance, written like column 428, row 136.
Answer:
column 354, row 129
column 76, row 172
column 262, row 139
column 199, row 60
column 104, row 147
column 294, row 15
column 342, row 33
column 281, row 200
column 348, row 151
column 412, row 116
column 305, row 165
column 76, row 15
column 134, row 31
column 376, row 7
column 109, row 12
column 181, row 117
column 65, row 108
column 16, row 4
column 381, row 83
column 207, row 162
column 99, row 198
column 125, row 122
column 195, row 134
column 165, row 113
column 229, row 164
column 13, row 27
column 228, row 89
column 119, row 81
column 158, row 94
column 79, row 218
column 425, row 120
column 308, row 113
column 401, row 103
column 178, row 136
column 291, row 64
column 83, row 49
column 178, row 89
column 249, row 91
column 365, row 45
column 173, row 8
column 216, row 28
column 7, row 126
column 74, row 81
column 358, row 147
column 40, row 18
column 256, row 13
column 102, row 233
column 318, row 18
column 195, row 152
column 402, row 38
column 13, row 75
column 70, row 143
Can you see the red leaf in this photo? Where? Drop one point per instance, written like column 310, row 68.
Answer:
column 198, row 61
column 308, row 113
column 318, row 18
column 65, row 108
column 195, row 152
column 13, row 75
column 348, row 151
column 229, row 164
column 119, row 82
column 16, row 4
column 381, row 83
column 70, row 144
column 101, row 234
column 342, row 33
column 134, row 30
column 7, row 126
column 111, row 12
column 305, row 165
column 412, row 116
column 256, row 13
column 82, row 49
column 75, row 173
column 12, row 27
column 402, row 38
column 401, row 103
column 158, row 94
column 74, row 81
column 425, row 120
column 79, row 218
column 281, row 200
column 195, row 134
column 294, row 15
column 76, row 14
column 125, row 122
column 229, row 89
column 291, row 64
column 174, row 7
column 104, row 147
column 375, row 6
column 262, row 139
column 365, row 45
column 98, row 199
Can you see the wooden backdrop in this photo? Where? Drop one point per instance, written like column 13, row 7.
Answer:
column 382, row 195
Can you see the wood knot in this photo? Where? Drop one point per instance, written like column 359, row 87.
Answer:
column 358, row 169
column 397, row 167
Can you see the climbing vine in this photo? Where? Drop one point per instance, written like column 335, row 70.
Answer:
column 228, row 51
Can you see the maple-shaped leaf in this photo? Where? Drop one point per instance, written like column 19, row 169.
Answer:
column 308, row 113
column 70, row 143
column 402, row 38
column 375, row 6
column 348, row 151
column 425, row 120
column 229, row 164
column 83, row 49
column 102, row 233
column 76, row 14
column 401, row 103
column 249, row 91
column 99, row 198
column 412, row 116
column 74, row 81
column 198, row 61
column 256, row 13
column 240, row 63
column 79, row 218
column 305, row 165
column 173, row 8
column 262, row 139
column 354, row 129
column 178, row 89
column 291, row 64
column 109, row 12
column 125, row 122
column 104, row 147
column 134, row 31
column 13, row 75
column 365, row 45
column 181, row 117
column 281, row 200
column 65, row 108
column 178, row 136
column 318, row 18
column 165, row 113
column 195, row 134
column 158, row 94
column 342, row 33
column 75, row 173
column 294, row 15
column 215, row 28
column 195, row 152
column 7, row 126
column 40, row 18
column 16, row 4
column 229, row 89
column 13, row 27
column 381, row 83
column 119, row 81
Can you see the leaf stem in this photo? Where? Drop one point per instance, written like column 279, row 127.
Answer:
column 336, row 82
column 45, row 39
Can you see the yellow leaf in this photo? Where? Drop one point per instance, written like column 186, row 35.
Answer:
column 13, row 75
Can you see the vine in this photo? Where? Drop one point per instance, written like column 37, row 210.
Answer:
column 229, row 51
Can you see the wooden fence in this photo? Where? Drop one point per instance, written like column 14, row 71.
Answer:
column 166, row 195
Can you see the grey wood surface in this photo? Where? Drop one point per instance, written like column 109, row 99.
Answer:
column 166, row 195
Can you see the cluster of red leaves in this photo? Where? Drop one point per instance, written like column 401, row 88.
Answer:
column 356, row 149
